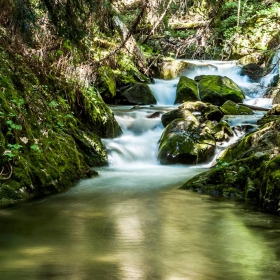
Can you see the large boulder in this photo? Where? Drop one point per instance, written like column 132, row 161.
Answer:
column 249, row 169
column 253, row 71
column 168, row 117
column 186, row 90
column 171, row 69
column 217, row 90
column 231, row 108
column 212, row 113
column 138, row 94
column 185, row 141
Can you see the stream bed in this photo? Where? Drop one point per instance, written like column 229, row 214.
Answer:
column 132, row 221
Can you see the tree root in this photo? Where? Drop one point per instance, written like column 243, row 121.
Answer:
column 9, row 173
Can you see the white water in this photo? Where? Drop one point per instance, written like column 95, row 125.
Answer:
column 266, row 80
column 137, row 147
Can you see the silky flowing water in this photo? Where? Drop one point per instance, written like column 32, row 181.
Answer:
column 132, row 222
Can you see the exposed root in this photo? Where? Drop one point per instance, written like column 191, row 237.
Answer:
column 9, row 172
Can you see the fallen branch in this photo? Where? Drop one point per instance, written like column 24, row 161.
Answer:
column 128, row 35
column 158, row 22
column 256, row 108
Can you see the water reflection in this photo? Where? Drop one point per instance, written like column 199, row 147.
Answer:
column 103, row 230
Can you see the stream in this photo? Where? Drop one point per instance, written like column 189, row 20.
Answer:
column 132, row 222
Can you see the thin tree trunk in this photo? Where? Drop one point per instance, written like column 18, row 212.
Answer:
column 238, row 12
column 158, row 22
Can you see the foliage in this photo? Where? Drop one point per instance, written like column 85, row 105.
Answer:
column 220, row 164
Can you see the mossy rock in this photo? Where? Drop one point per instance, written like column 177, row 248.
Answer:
column 276, row 98
column 186, row 90
column 223, row 180
column 221, row 131
column 106, row 83
column 255, row 58
column 50, row 130
column 275, row 110
column 231, row 108
column 167, row 118
column 249, row 169
column 138, row 94
column 266, row 119
column 217, row 89
column 212, row 113
column 184, row 141
column 172, row 69
column 95, row 114
column 196, row 106
column 272, row 115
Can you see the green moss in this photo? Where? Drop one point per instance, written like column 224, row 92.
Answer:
column 217, row 89
column 51, row 130
column 186, row 90
column 168, row 117
column 107, row 82
column 231, row 108
column 184, row 141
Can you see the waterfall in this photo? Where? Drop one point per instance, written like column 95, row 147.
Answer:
column 165, row 91
column 270, row 77
column 138, row 145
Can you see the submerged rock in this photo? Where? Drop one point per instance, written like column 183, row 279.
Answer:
column 186, row 90
column 217, row 89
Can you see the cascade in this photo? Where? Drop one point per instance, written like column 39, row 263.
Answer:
column 274, row 65
column 138, row 144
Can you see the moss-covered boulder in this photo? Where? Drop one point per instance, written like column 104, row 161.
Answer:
column 275, row 110
column 186, row 90
column 221, row 131
column 272, row 115
column 212, row 113
column 231, row 108
column 249, row 169
column 138, row 94
column 50, row 130
column 185, row 141
column 107, row 83
column 168, row 117
column 217, row 89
